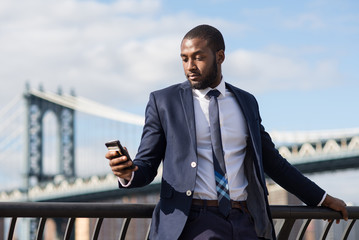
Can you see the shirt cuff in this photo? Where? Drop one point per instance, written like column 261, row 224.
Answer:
column 124, row 182
column 323, row 198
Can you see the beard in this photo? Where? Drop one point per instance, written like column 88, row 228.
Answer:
column 207, row 80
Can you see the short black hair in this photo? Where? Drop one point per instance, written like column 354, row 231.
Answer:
column 211, row 34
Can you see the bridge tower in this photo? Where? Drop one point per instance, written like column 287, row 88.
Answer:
column 36, row 108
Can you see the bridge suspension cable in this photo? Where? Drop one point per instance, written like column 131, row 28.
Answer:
column 5, row 110
column 12, row 120
column 90, row 107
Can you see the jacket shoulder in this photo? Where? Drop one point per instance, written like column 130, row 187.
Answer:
column 240, row 92
column 168, row 91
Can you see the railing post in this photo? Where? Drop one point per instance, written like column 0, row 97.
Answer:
column 286, row 229
column 326, row 230
column 125, row 225
column 97, row 228
column 69, row 228
column 148, row 232
column 348, row 229
column 40, row 229
column 12, row 228
column 303, row 229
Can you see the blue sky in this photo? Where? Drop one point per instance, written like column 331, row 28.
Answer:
column 298, row 58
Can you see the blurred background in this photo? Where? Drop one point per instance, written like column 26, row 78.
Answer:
column 99, row 60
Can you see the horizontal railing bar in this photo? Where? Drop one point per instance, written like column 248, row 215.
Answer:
column 80, row 210
column 305, row 212
column 116, row 210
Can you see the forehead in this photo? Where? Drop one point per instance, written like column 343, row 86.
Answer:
column 194, row 45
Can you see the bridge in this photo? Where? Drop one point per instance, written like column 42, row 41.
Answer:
column 319, row 151
column 54, row 119
column 79, row 161
column 41, row 123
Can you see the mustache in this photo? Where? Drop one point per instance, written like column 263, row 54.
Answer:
column 191, row 73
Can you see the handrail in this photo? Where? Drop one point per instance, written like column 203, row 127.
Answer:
column 44, row 210
column 79, row 210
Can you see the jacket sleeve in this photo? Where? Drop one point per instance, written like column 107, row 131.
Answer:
column 152, row 147
column 286, row 175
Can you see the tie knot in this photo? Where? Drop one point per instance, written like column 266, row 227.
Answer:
column 213, row 93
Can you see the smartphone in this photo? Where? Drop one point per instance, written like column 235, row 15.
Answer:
column 115, row 145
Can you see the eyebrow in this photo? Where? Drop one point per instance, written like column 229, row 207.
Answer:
column 195, row 53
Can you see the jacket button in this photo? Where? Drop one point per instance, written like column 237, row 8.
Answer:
column 193, row 164
column 189, row 193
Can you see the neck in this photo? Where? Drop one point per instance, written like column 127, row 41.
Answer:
column 218, row 81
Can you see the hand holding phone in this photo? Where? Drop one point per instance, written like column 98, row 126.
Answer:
column 115, row 145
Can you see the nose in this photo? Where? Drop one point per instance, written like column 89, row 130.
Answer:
column 191, row 65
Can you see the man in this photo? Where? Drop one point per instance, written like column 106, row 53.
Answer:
column 215, row 153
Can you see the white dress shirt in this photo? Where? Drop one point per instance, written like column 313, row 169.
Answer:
column 234, row 134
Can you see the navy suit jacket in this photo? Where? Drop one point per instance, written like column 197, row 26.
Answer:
column 169, row 136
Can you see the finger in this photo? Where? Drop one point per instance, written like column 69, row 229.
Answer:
column 123, row 173
column 345, row 214
column 108, row 155
column 121, row 170
column 121, row 165
column 125, row 164
column 118, row 161
column 111, row 154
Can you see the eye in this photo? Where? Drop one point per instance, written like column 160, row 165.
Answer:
column 199, row 58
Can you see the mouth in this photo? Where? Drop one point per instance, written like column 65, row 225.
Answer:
column 193, row 76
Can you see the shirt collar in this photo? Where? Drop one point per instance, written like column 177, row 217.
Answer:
column 203, row 92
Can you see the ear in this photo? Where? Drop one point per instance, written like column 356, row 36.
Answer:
column 220, row 56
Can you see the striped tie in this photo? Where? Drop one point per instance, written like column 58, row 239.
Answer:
column 218, row 158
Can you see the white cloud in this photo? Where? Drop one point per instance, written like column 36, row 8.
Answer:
column 84, row 44
column 103, row 51
column 262, row 71
column 125, row 49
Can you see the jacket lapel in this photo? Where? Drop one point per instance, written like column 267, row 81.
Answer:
column 252, row 120
column 244, row 107
column 186, row 97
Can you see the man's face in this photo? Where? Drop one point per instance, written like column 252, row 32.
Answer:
column 200, row 63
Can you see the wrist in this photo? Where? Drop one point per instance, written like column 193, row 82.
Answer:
column 327, row 201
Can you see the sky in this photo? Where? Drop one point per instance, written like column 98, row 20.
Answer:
column 299, row 58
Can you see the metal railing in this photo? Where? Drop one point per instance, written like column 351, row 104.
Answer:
column 100, row 211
